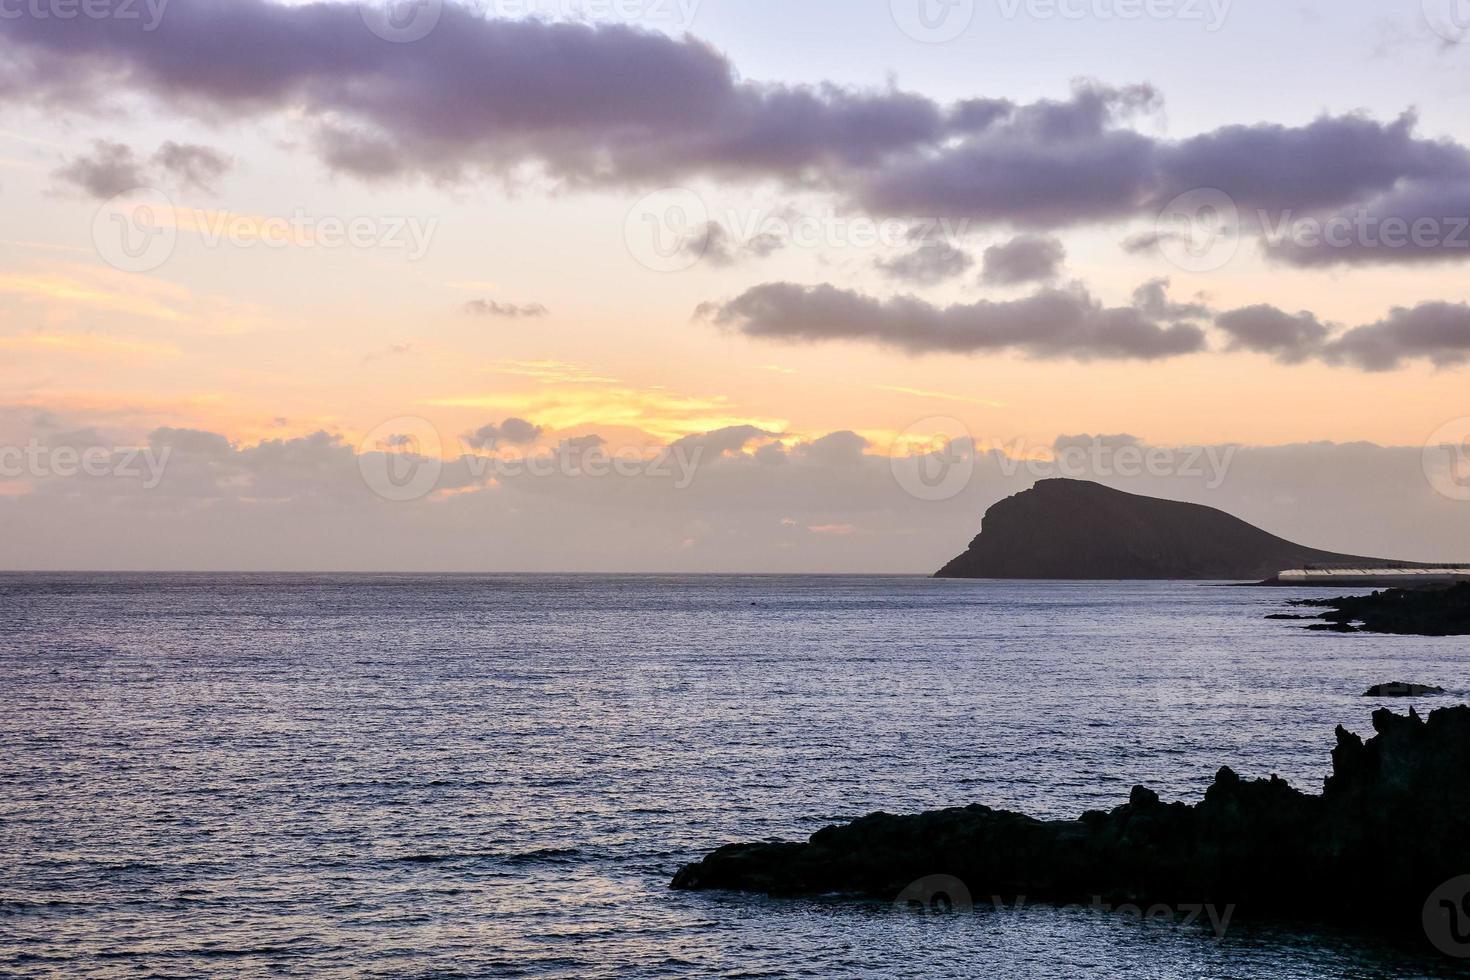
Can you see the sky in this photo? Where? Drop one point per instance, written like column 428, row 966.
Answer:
column 721, row 285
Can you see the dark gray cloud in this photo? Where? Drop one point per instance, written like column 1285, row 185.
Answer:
column 1437, row 332
column 721, row 442
column 1265, row 329
column 1026, row 258
column 1053, row 323
column 1331, row 160
column 1153, row 299
column 613, row 105
column 927, row 264
column 114, row 168
column 110, row 169
column 713, row 243
column 1418, row 222
column 508, row 311
column 511, row 432
column 193, row 165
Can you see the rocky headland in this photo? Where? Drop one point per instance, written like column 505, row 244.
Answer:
column 1404, row 612
column 1389, row 829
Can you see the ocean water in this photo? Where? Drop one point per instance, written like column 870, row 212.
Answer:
column 497, row 776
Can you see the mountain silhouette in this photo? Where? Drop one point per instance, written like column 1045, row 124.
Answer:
column 1076, row 529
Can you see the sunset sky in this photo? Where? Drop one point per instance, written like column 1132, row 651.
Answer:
column 263, row 236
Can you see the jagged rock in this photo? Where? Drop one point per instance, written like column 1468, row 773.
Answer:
column 1401, row 690
column 1075, row 529
column 1443, row 611
column 1391, row 825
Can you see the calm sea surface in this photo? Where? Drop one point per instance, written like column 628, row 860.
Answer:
column 430, row 776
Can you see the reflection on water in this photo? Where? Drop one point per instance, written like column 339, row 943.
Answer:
column 399, row 776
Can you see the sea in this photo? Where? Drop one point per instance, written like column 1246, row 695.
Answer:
column 465, row 776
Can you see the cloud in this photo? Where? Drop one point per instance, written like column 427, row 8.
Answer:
column 511, row 432
column 1053, row 323
column 1027, row 258
column 300, row 504
column 110, row 169
column 508, row 311
column 1438, row 332
column 613, row 105
column 715, row 244
column 1265, row 329
column 193, row 165
column 114, row 168
column 1418, row 222
column 928, row 264
column 731, row 440
column 1153, row 299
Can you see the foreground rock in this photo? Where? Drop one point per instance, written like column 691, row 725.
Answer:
column 1391, row 826
column 1416, row 612
column 1074, row 529
column 1401, row 690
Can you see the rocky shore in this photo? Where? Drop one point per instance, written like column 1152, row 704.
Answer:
column 1406, row 612
column 1390, row 828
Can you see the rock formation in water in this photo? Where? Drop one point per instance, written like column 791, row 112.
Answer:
column 1405, row 612
column 1399, row 689
column 1391, row 827
column 1074, row 529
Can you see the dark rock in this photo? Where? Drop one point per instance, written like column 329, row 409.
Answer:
column 1287, row 616
column 1074, row 529
column 1401, row 690
column 1391, row 825
column 1443, row 611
